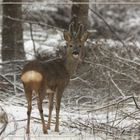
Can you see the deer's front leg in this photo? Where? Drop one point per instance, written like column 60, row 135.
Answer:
column 51, row 97
column 57, row 105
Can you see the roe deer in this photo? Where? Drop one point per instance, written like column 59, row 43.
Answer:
column 51, row 77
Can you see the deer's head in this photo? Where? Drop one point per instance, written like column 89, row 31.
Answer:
column 75, row 42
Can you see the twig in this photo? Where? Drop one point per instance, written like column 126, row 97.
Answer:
column 135, row 102
column 15, row 88
column 31, row 31
column 121, row 73
column 13, row 84
column 113, row 70
column 97, row 14
column 82, row 80
column 32, row 22
column 4, row 119
column 113, row 82
column 83, row 97
column 13, row 61
column 127, row 60
column 116, row 103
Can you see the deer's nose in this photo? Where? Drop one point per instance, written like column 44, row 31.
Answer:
column 75, row 52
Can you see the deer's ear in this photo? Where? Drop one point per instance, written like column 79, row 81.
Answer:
column 85, row 36
column 67, row 36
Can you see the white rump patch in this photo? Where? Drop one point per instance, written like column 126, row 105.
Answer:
column 49, row 91
column 32, row 76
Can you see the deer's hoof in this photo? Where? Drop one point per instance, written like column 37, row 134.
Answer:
column 48, row 127
column 56, row 129
column 27, row 131
column 45, row 130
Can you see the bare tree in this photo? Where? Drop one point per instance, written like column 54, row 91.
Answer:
column 12, row 31
column 81, row 11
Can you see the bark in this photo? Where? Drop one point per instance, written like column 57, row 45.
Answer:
column 12, row 31
column 81, row 11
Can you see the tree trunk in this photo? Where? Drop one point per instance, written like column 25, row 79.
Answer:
column 81, row 11
column 12, row 31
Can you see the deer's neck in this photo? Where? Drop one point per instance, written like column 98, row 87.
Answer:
column 70, row 64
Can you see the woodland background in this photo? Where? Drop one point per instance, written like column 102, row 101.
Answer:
column 102, row 99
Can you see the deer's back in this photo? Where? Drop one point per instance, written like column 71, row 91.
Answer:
column 51, row 73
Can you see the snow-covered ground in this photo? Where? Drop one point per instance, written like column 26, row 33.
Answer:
column 87, row 121
column 16, row 128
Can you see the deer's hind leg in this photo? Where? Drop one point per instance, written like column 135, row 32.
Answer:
column 28, row 94
column 41, row 96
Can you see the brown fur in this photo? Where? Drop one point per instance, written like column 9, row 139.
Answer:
column 54, row 71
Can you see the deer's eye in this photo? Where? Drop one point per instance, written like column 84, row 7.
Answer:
column 80, row 46
column 70, row 45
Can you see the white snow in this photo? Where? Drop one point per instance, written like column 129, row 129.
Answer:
column 29, row 49
column 17, row 118
column 47, row 47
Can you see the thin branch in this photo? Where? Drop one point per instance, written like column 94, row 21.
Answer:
column 127, row 60
column 82, row 80
column 4, row 119
column 13, row 61
column 115, row 103
column 32, row 38
column 32, row 22
column 113, row 82
column 97, row 14
column 113, row 70
column 11, row 83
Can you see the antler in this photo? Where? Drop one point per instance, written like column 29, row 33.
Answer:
column 80, row 30
column 75, row 21
column 71, row 28
column 76, row 29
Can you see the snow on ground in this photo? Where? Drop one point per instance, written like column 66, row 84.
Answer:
column 74, row 124
column 16, row 128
